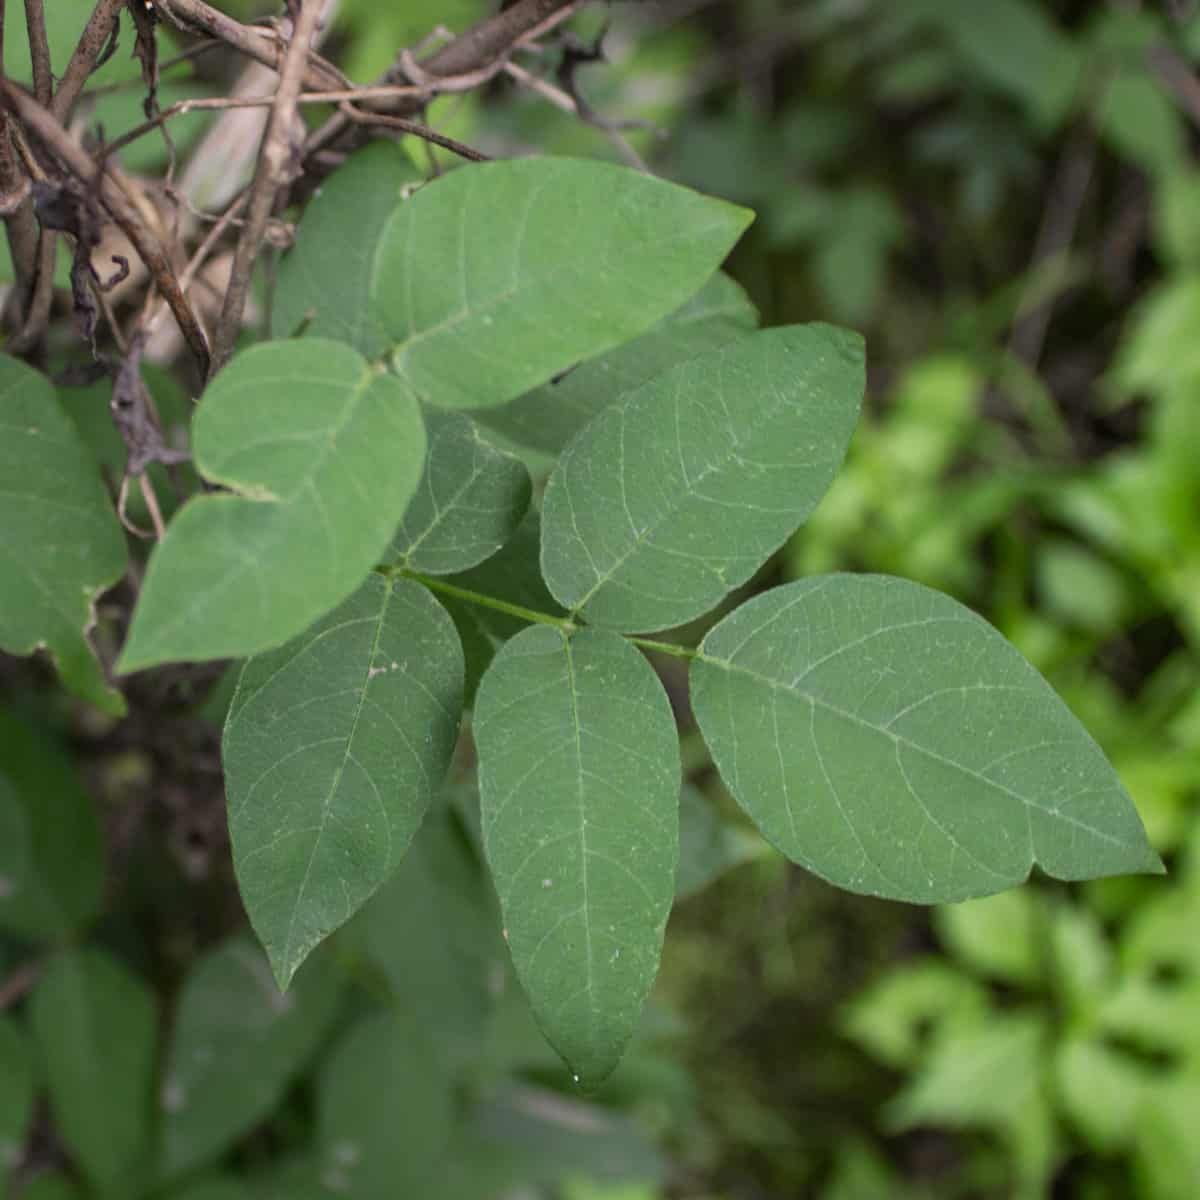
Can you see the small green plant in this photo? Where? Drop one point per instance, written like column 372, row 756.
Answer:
column 877, row 732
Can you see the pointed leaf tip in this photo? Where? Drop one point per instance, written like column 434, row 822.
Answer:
column 579, row 782
column 892, row 742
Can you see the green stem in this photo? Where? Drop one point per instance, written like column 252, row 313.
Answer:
column 665, row 648
column 513, row 610
column 526, row 614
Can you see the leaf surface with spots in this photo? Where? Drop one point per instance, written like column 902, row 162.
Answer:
column 892, row 742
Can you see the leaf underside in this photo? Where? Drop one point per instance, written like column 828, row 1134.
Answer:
column 494, row 278
column 889, row 740
column 334, row 747
column 322, row 453
column 579, row 785
column 60, row 543
column 678, row 493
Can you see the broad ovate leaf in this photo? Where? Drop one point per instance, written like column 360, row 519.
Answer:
column 469, row 503
column 237, row 1042
column 579, row 784
column 60, row 543
column 548, row 417
column 891, row 741
column 321, row 453
column 699, row 476
column 324, row 280
column 51, row 860
column 334, row 747
column 495, row 277
column 97, row 1031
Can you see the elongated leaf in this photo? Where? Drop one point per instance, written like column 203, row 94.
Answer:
column 334, row 747
column 892, row 742
column 386, row 1112
column 51, row 867
column 549, row 417
column 323, row 454
column 236, row 1045
column 16, row 1094
column 494, row 278
column 325, row 278
column 700, row 475
column 60, row 544
column 579, row 786
column 471, row 499
column 95, row 1027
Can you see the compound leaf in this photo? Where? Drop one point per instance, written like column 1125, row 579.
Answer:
column 96, row 1031
column 469, row 503
column 494, row 278
column 547, row 418
column 698, row 476
column 323, row 453
column 579, row 782
column 325, row 278
column 51, row 864
column 334, row 747
column 60, row 543
column 892, row 742
column 236, row 1044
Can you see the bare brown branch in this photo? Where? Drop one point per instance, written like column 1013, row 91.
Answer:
column 275, row 160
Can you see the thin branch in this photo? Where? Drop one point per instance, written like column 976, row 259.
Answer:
column 96, row 36
column 39, row 51
column 263, row 45
column 114, row 194
column 274, row 161
column 404, row 125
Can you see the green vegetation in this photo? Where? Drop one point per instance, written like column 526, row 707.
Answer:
column 543, row 561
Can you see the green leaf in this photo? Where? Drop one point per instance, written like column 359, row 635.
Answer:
column 1003, row 936
column 441, row 974
column 60, row 543
column 322, row 453
column 549, row 417
column 334, row 747
column 889, row 740
column 17, row 1083
column 699, row 476
column 96, row 1030
column 994, row 1077
column 236, row 1044
column 579, row 784
column 496, row 277
column 386, row 1112
column 512, row 575
column 51, row 863
column 911, row 1005
column 325, row 278
column 471, row 499
column 1167, row 1164
column 1101, row 1091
